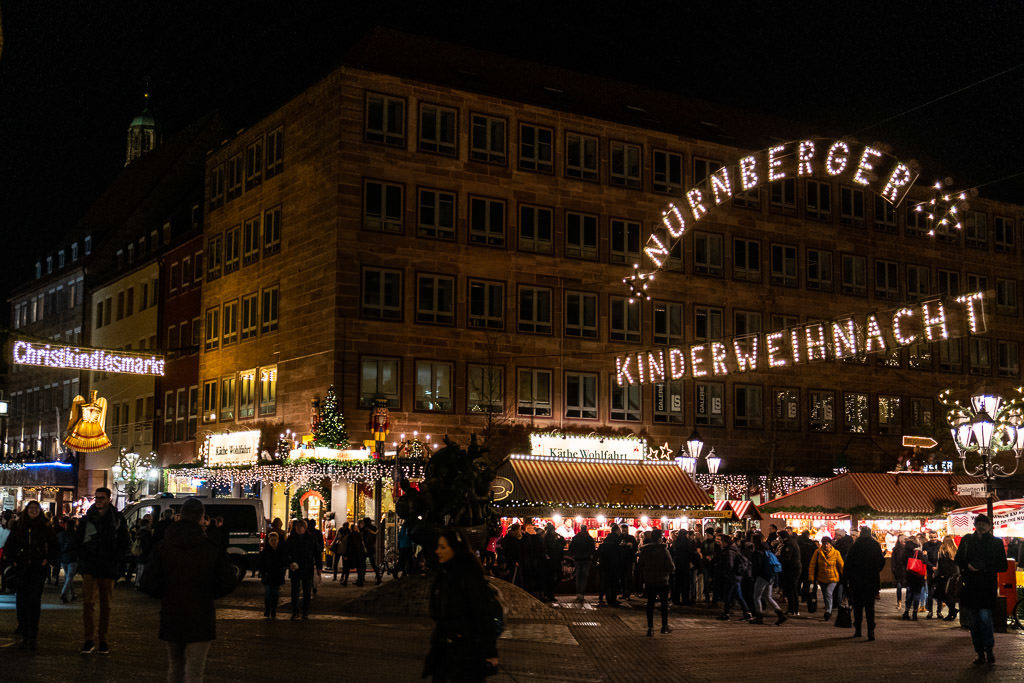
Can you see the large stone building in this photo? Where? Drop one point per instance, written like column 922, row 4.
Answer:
column 449, row 230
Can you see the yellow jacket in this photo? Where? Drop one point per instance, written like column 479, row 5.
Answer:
column 825, row 567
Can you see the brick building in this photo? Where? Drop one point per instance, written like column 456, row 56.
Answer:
column 448, row 229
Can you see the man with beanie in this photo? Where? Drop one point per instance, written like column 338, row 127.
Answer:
column 864, row 563
column 981, row 557
column 655, row 566
column 188, row 571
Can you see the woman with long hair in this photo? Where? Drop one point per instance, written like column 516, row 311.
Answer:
column 32, row 549
column 463, row 646
column 915, row 582
column 899, row 568
column 946, row 574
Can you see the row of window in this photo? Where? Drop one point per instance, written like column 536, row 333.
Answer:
column 60, row 298
column 44, row 398
column 433, row 391
column 239, row 396
column 185, row 274
column 241, row 318
column 181, row 415
column 119, row 416
column 243, row 244
column 382, row 298
column 535, row 149
column 63, row 257
column 123, row 304
column 262, row 160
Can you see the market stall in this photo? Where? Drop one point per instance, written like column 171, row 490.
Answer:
column 888, row 502
column 1008, row 519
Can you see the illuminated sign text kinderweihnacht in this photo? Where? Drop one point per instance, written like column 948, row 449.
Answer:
column 929, row 321
column 83, row 358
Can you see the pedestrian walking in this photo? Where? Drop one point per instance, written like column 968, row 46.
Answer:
column 355, row 556
column 369, row 531
column 655, row 567
column 273, row 563
column 301, row 551
column 188, row 571
column 68, row 558
column 825, row 570
column 898, row 562
column 32, row 550
column 915, row 580
column 142, row 548
column 102, row 544
column 608, row 556
column 931, row 551
column 792, row 571
column 734, row 568
column 864, row 563
column 980, row 557
column 683, row 553
column 318, row 549
column 947, row 578
column 766, row 570
column 581, row 549
column 464, row 642
column 627, row 560
column 339, row 546
column 554, row 552
column 807, row 549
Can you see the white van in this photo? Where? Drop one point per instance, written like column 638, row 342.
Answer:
column 244, row 522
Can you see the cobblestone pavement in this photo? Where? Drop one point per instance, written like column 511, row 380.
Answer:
column 570, row 643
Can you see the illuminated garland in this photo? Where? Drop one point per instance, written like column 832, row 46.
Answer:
column 12, row 466
column 737, row 486
column 549, row 505
column 297, row 472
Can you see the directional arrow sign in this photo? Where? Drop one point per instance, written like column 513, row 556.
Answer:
column 919, row 442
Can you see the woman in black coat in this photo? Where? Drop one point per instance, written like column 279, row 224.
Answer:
column 463, row 646
column 864, row 563
column 272, row 564
column 32, row 549
column 899, row 569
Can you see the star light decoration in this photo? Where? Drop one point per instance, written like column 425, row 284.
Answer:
column 638, row 283
column 942, row 213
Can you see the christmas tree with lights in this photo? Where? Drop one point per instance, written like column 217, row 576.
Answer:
column 329, row 431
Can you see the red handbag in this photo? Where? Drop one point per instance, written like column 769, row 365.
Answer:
column 915, row 565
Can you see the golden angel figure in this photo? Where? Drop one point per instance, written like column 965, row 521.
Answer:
column 85, row 426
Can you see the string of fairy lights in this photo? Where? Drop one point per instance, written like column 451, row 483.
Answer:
column 297, row 472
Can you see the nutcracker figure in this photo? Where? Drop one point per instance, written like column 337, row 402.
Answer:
column 380, row 425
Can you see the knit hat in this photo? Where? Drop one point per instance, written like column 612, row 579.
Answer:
column 192, row 509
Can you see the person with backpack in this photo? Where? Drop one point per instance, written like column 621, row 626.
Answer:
column 466, row 613
column 766, row 569
column 825, row 570
column 735, row 567
column 655, row 566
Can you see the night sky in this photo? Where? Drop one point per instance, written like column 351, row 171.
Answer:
column 72, row 76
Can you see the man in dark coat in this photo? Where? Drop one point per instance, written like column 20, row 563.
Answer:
column 608, row 556
column 627, row 560
column 930, row 549
column 581, row 549
column 554, row 551
column 301, row 551
column 160, row 528
column 188, row 571
column 864, row 562
column 533, row 557
column 734, row 569
column 102, row 547
column 655, row 567
column 792, row 571
column 807, row 548
column 981, row 556
column 683, row 552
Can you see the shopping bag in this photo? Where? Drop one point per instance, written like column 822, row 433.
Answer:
column 843, row 618
column 915, row 565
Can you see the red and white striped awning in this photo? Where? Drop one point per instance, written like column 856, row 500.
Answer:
column 825, row 516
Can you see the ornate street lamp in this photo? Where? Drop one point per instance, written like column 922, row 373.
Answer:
column 690, row 453
column 131, row 469
column 988, row 427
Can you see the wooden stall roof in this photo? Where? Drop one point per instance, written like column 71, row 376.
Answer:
column 896, row 493
column 599, row 485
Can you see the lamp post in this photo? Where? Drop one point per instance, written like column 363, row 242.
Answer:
column 131, row 469
column 988, row 426
column 689, row 454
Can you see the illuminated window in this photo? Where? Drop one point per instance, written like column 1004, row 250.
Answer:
column 227, row 398
column 438, row 129
column 251, row 241
column 254, row 164
column 250, row 315
column 919, row 356
column 268, row 390
column 709, row 404
column 580, row 156
column 625, row 401
column 535, row 229
column 230, row 323
column 232, row 250
column 784, row 265
column 436, row 214
column 855, row 413
column 668, row 323
column 536, row 148
column 581, row 235
column 625, row 242
column 486, row 389
column 385, row 119
column 433, row 386
column 271, row 231
column 786, row 408
column 821, row 411
column 534, row 396
column 378, row 379
column 581, row 314
column 487, row 139
column 890, row 414
column 382, row 206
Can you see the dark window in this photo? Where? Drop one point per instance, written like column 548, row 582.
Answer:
column 382, row 294
column 535, row 310
column 581, row 235
column 535, row 148
column 486, row 304
column 487, row 221
column 382, row 206
column 535, row 229
column 581, row 314
column 275, row 152
column 435, row 299
column 385, row 119
column 437, row 214
column 438, row 129
column 487, row 139
column 580, row 156
column 625, row 241
column 625, row 165
column 668, row 172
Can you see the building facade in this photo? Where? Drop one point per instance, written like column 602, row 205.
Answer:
column 454, row 240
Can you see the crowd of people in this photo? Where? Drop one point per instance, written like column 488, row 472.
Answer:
column 753, row 575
